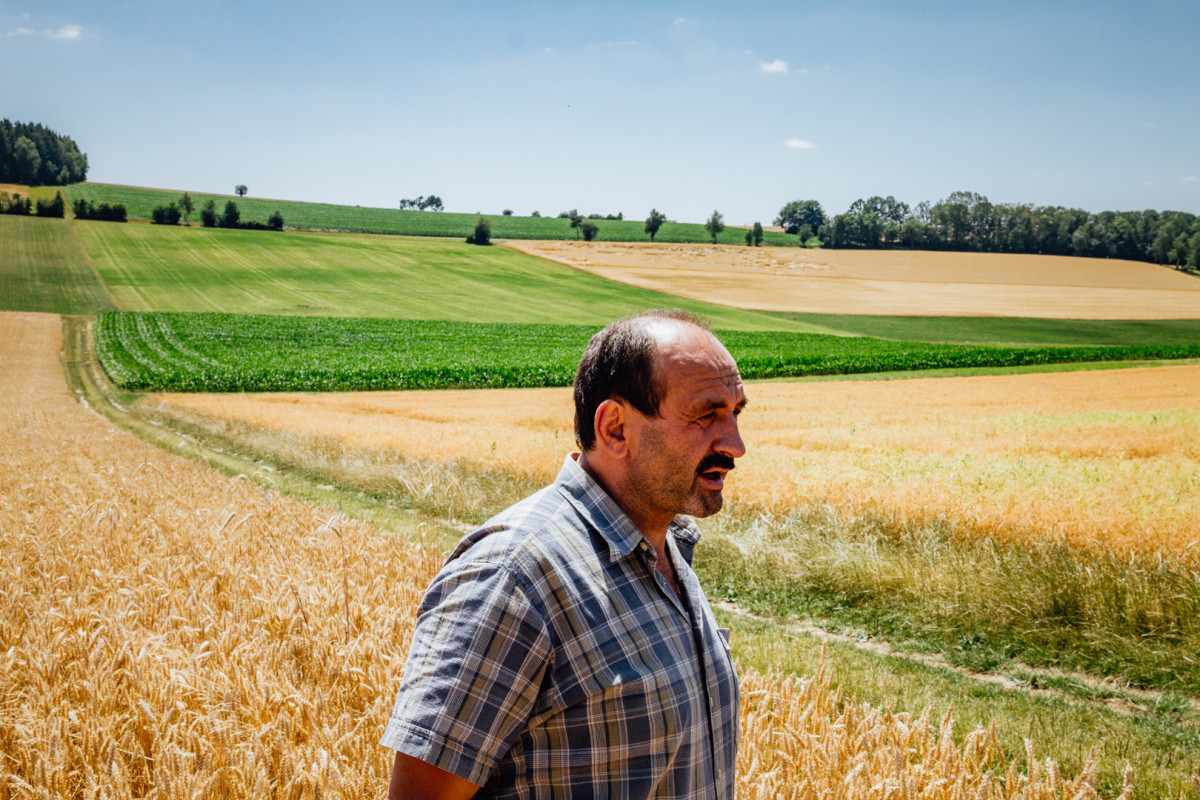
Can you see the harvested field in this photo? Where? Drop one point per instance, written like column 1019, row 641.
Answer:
column 169, row 632
column 1107, row 459
column 891, row 282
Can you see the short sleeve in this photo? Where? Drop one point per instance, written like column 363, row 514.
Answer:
column 477, row 659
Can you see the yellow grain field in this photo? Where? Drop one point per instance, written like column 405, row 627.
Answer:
column 1106, row 458
column 166, row 632
column 889, row 281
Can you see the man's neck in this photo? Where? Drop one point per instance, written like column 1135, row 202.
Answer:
column 653, row 528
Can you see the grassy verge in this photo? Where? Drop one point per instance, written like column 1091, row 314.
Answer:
column 140, row 202
column 1162, row 746
column 982, row 603
column 245, row 353
column 43, row 268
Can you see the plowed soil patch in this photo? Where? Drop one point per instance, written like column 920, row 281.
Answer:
column 1108, row 458
column 890, row 282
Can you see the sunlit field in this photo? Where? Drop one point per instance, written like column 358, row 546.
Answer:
column 169, row 632
column 890, row 281
column 1107, row 459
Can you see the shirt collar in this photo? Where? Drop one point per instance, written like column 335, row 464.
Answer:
column 603, row 513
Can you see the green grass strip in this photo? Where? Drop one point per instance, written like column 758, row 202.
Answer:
column 140, row 203
column 43, row 268
column 255, row 353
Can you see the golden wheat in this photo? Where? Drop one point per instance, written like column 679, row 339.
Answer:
column 1108, row 459
column 166, row 632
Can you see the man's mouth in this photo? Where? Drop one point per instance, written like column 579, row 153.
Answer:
column 712, row 469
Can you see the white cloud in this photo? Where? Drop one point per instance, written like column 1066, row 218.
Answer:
column 1190, row 178
column 619, row 44
column 680, row 22
column 778, row 66
column 67, row 32
column 800, row 144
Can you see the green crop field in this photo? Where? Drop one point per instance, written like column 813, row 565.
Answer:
column 254, row 353
column 324, row 216
column 160, row 268
column 1010, row 330
column 43, row 268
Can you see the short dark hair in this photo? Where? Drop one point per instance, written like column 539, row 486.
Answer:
column 619, row 363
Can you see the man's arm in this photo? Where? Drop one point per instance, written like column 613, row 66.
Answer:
column 414, row 779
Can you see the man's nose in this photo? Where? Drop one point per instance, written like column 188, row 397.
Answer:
column 730, row 442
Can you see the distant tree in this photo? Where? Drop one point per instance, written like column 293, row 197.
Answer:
column 576, row 222
column 589, row 230
column 240, row 189
column 507, row 212
column 714, row 225
column 28, row 160
column 230, row 217
column 654, row 222
column 483, row 232
column 208, row 214
column 16, row 205
column 801, row 212
column 52, row 208
column 165, row 215
column 186, row 206
column 749, row 238
column 275, row 221
column 535, row 214
column 756, row 234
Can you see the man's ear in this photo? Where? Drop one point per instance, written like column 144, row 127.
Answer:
column 611, row 418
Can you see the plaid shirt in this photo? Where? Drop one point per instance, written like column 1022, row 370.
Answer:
column 551, row 659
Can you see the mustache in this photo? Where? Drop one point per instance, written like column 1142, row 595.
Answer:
column 715, row 460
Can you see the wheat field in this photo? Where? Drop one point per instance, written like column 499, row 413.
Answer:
column 168, row 632
column 919, row 283
column 1107, row 459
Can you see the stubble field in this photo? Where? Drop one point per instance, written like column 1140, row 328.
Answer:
column 917, row 283
column 170, row 632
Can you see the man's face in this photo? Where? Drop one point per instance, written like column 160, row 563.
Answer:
column 679, row 459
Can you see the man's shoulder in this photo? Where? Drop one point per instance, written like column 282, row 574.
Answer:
column 544, row 527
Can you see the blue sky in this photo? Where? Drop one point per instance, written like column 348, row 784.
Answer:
column 607, row 107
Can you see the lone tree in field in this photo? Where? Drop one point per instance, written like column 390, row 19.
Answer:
column 714, row 225
column 483, row 232
column 231, row 216
column 186, row 205
column 589, row 229
column 755, row 235
column 576, row 221
column 799, row 213
column 240, row 189
column 654, row 222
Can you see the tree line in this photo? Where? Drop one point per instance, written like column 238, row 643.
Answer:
column 34, row 155
column 966, row 221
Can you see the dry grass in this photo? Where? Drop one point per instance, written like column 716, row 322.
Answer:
column 169, row 632
column 1107, row 459
column 918, row 283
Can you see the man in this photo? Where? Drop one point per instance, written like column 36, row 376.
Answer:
column 566, row 649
